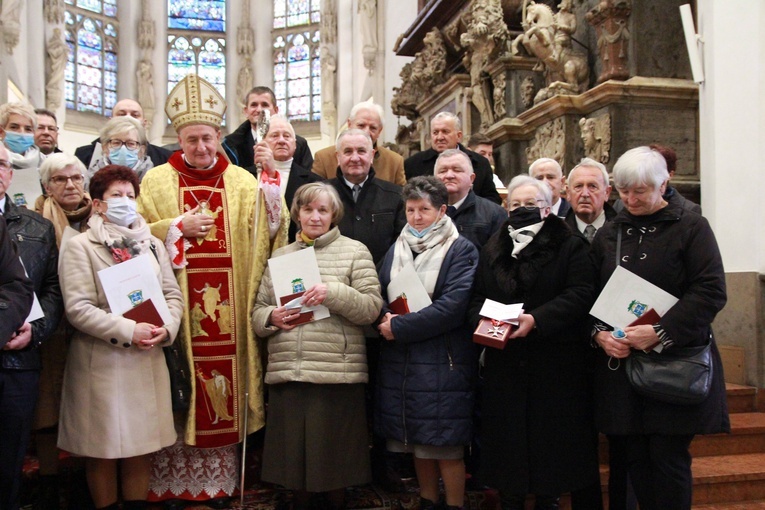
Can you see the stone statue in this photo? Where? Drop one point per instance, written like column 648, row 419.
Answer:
column 328, row 74
column 328, row 23
column 547, row 36
column 368, row 24
column 146, row 31
column 596, row 137
column 244, row 82
column 245, row 35
column 145, row 79
column 11, row 16
column 485, row 38
column 610, row 19
column 420, row 76
column 58, row 52
column 500, row 82
column 404, row 102
column 54, row 11
column 549, row 142
column 528, row 88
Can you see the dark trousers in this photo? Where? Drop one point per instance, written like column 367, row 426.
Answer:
column 659, row 468
column 18, row 397
column 621, row 496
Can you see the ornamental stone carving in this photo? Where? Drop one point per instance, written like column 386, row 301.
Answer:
column 485, row 39
column 245, row 48
column 420, row 76
column 549, row 142
column 528, row 89
column 58, row 52
column 11, row 14
column 596, row 137
column 54, row 11
column 610, row 19
column 144, row 71
column 500, row 83
column 547, row 36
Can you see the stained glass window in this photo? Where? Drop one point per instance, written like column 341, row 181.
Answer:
column 196, row 41
column 91, row 69
column 297, row 66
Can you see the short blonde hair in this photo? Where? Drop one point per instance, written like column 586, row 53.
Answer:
column 307, row 193
column 23, row 109
column 122, row 124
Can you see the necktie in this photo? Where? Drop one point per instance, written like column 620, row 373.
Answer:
column 589, row 233
column 356, row 191
column 451, row 211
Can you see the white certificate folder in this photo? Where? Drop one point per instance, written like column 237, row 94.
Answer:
column 294, row 273
column 627, row 296
column 130, row 283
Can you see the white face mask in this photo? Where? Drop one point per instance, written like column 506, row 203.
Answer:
column 121, row 211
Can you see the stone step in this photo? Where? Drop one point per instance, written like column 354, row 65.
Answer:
column 743, row 505
column 747, row 436
column 729, row 479
column 741, row 399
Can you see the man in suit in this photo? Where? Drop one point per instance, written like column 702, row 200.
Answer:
column 240, row 145
column 588, row 191
column 276, row 153
column 475, row 217
column 446, row 133
column 550, row 171
column 46, row 134
column 389, row 165
column 124, row 107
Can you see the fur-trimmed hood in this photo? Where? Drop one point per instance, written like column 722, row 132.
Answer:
column 517, row 276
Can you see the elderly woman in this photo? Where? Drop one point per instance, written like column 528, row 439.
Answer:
column 427, row 365
column 316, row 434
column 116, row 407
column 65, row 204
column 123, row 142
column 674, row 249
column 537, row 432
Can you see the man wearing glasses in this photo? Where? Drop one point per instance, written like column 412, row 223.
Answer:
column 46, row 134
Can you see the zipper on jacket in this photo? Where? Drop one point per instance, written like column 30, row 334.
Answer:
column 449, row 355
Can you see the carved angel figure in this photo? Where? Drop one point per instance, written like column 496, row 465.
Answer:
column 596, row 137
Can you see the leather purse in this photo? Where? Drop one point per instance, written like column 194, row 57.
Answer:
column 180, row 376
column 680, row 376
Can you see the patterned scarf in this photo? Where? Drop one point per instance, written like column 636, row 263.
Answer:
column 522, row 237
column 431, row 250
column 61, row 218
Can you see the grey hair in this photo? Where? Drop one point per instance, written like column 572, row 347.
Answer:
column 283, row 118
column 122, row 124
column 448, row 153
column 427, row 187
column 640, row 166
column 589, row 162
column 525, row 180
column 352, row 132
column 59, row 161
column 542, row 161
column 368, row 106
column 17, row 108
column 448, row 116
column 307, row 193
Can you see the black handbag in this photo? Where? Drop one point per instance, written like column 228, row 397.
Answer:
column 180, row 376
column 680, row 376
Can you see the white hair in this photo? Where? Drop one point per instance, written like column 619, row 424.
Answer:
column 640, row 166
column 448, row 116
column 524, row 180
column 589, row 162
column 352, row 132
column 448, row 153
column 367, row 106
column 59, row 161
column 545, row 161
column 283, row 118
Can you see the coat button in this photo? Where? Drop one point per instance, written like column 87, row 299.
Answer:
column 114, row 341
column 126, row 345
column 3, row 305
column 358, row 218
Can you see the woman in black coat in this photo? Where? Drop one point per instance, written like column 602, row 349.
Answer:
column 537, row 431
column 676, row 250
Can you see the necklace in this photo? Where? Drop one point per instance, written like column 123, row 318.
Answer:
column 204, row 205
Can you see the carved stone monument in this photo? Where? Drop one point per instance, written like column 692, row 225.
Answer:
column 610, row 19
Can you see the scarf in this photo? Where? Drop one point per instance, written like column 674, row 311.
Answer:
column 140, row 169
column 523, row 236
column 61, row 218
column 30, row 159
column 110, row 235
column 431, row 250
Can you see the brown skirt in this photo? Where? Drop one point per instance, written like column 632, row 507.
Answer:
column 316, row 437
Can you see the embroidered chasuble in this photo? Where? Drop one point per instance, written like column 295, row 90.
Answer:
column 219, row 276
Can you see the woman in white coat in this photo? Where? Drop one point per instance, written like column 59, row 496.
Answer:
column 116, row 407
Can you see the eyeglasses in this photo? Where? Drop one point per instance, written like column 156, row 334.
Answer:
column 52, row 129
column 117, row 144
column 61, row 180
column 6, row 165
column 531, row 204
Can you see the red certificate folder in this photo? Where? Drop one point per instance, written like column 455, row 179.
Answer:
column 400, row 305
column 145, row 312
column 304, row 316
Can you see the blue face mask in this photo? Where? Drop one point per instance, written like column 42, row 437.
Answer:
column 18, row 142
column 419, row 234
column 123, row 156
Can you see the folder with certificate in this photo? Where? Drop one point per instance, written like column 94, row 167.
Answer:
column 133, row 290
column 629, row 300
column 292, row 274
column 407, row 285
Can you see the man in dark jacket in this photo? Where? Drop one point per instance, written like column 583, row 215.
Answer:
column 239, row 145
column 476, row 218
column 376, row 216
column 550, row 171
column 46, row 134
column 19, row 359
column 588, row 191
column 276, row 153
column 445, row 133
column 124, row 107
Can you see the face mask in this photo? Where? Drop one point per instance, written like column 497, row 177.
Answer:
column 524, row 216
column 18, row 142
column 123, row 156
column 419, row 234
column 121, row 211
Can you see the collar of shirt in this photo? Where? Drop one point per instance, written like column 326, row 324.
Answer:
column 598, row 223
column 351, row 185
column 459, row 203
column 2, row 204
column 556, row 207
